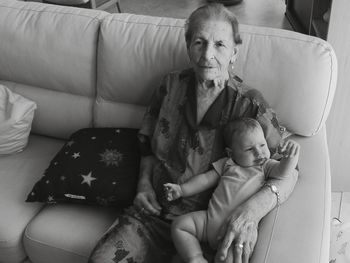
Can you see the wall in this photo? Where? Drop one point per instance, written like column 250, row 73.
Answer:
column 338, row 123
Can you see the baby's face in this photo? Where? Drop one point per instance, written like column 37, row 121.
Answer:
column 250, row 149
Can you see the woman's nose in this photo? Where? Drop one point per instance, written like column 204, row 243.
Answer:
column 208, row 52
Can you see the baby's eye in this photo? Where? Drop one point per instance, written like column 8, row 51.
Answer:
column 262, row 145
column 248, row 149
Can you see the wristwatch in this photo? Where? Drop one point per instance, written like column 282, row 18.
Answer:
column 274, row 190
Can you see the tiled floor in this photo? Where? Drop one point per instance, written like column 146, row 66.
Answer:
column 341, row 206
column 269, row 13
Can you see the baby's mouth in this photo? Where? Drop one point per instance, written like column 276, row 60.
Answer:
column 260, row 161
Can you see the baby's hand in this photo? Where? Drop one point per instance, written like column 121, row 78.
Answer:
column 290, row 149
column 172, row 191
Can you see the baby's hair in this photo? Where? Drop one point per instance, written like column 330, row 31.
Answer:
column 239, row 126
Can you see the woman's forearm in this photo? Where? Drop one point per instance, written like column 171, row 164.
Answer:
column 146, row 169
column 265, row 200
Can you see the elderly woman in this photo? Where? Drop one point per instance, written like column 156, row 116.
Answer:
column 181, row 136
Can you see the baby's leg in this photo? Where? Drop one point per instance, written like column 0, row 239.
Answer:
column 187, row 231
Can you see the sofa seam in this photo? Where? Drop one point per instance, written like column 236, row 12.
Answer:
column 145, row 23
column 52, row 246
column 94, row 106
column 52, row 12
column 329, row 89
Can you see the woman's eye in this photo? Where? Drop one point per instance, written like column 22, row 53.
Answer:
column 220, row 44
column 262, row 145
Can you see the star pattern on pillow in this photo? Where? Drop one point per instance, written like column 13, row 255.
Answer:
column 95, row 166
column 87, row 179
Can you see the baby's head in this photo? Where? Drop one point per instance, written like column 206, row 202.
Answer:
column 246, row 142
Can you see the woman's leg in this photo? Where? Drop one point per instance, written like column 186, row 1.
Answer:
column 187, row 232
column 134, row 238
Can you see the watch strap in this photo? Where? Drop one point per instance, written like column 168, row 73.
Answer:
column 274, row 190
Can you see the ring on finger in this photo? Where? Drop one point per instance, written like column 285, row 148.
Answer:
column 240, row 245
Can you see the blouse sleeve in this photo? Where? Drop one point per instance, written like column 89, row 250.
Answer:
column 150, row 120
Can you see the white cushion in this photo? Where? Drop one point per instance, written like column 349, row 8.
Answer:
column 16, row 116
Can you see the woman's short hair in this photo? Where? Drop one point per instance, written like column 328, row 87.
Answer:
column 211, row 11
column 239, row 126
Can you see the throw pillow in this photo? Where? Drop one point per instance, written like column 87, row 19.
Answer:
column 16, row 116
column 96, row 166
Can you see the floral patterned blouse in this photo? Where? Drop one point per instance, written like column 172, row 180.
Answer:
column 185, row 148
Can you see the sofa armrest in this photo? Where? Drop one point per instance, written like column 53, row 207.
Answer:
column 299, row 230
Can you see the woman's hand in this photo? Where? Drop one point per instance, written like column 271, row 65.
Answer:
column 146, row 201
column 238, row 236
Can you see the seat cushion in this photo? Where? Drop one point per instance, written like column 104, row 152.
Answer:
column 18, row 173
column 66, row 232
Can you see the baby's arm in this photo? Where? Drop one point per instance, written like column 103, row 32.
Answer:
column 290, row 156
column 193, row 186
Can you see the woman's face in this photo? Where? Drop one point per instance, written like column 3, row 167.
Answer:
column 211, row 49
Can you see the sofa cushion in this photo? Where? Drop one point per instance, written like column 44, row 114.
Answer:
column 48, row 52
column 58, row 114
column 96, row 166
column 50, row 46
column 16, row 116
column 127, row 77
column 66, row 232
column 18, row 173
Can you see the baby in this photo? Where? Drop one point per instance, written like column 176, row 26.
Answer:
column 237, row 178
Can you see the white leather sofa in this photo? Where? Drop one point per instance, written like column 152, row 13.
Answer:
column 88, row 68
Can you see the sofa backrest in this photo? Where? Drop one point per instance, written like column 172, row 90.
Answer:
column 48, row 54
column 90, row 68
column 296, row 73
column 134, row 54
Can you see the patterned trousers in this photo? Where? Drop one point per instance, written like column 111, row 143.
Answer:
column 135, row 238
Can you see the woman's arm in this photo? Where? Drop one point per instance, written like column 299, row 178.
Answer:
column 145, row 199
column 240, row 230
